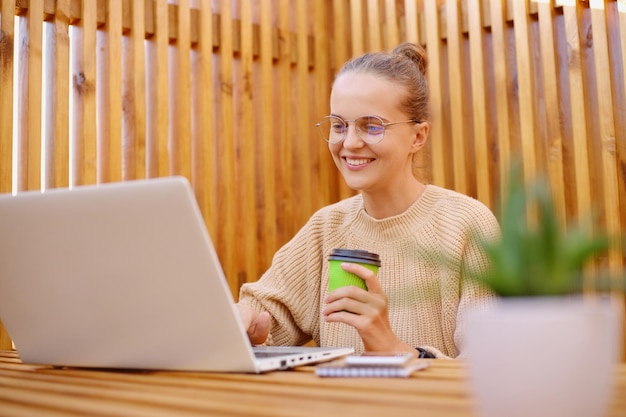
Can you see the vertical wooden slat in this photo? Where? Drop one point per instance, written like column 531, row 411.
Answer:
column 435, row 71
column 576, row 36
column 356, row 27
column 322, row 181
column 302, row 148
column 84, row 85
column 268, row 140
column 227, row 183
column 342, row 47
column 57, row 141
column 182, row 85
column 606, row 119
column 286, row 223
column 553, row 147
column 247, row 144
column 483, row 166
column 392, row 38
column 526, row 87
column 572, row 12
column 110, row 110
column 7, row 31
column 134, row 116
column 161, row 134
column 373, row 31
column 204, row 174
column 457, row 96
column 501, row 81
column 620, row 117
column 35, row 89
column 411, row 22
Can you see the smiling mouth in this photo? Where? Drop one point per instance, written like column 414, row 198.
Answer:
column 357, row 162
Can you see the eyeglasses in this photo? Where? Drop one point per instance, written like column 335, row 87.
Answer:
column 371, row 129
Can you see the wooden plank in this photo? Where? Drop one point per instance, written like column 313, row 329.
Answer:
column 526, row 88
column 109, row 97
column 114, row 26
column 320, row 107
column 83, row 69
column 434, row 75
column 7, row 33
column 87, row 174
column 34, row 67
column 484, row 164
column 182, row 87
column 392, row 35
column 134, row 124
column 607, row 130
column 204, row 149
column 162, row 123
column 576, row 38
column 411, row 22
column 342, row 43
column 268, row 140
column 373, row 33
column 356, row 27
column 227, row 184
column 247, row 143
column 303, row 149
column 553, row 143
column 457, row 97
column 502, row 81
column 58, row 156
column 284, row 144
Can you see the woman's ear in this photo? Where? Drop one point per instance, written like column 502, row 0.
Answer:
column 421, row 135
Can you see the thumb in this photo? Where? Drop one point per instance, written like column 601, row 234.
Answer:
column 259, row 328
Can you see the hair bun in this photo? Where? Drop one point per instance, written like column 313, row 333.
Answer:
column 415, row 53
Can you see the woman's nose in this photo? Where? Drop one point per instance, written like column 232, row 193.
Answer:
column 352, row 139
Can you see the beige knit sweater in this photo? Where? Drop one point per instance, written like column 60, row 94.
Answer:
column 427, row 301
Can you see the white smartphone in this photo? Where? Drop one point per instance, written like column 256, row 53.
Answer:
column 379, row 359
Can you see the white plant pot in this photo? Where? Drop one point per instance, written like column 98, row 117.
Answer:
column 543, row 356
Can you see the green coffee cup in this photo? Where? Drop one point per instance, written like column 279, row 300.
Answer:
column 337, row 277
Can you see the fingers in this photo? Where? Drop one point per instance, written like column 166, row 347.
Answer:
column 370, row 277
column 257, row 325
column 259, row 328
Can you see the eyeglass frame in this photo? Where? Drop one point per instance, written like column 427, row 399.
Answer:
column 358, row 131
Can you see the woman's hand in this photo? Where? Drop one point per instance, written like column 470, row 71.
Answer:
column 256, row 324
column 366, row 311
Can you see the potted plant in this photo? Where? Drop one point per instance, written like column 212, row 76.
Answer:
column 543, row 348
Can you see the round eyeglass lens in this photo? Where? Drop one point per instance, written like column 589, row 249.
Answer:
column 333, row 129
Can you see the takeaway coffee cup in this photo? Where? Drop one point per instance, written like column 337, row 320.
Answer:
column 337, row 277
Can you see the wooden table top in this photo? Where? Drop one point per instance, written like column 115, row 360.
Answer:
column 440, row 390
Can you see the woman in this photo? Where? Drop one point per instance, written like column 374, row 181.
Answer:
column 416, row 303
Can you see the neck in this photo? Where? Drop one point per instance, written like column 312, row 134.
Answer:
column 381, row 205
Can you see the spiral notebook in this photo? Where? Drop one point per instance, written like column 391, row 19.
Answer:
column 340, row 369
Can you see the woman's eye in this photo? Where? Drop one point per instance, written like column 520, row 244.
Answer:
column 337, row 127
column 374, row 129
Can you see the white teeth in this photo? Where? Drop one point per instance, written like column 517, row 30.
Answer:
column 357, row 161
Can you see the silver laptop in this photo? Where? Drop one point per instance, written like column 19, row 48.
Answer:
column 124, row 275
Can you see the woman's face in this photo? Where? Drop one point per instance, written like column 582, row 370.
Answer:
column 374, row 168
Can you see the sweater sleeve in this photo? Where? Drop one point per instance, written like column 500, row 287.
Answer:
column 290, row 289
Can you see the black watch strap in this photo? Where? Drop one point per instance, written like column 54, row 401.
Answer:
column 424, row 353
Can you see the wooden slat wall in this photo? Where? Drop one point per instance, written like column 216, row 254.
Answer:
column 227, row 92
